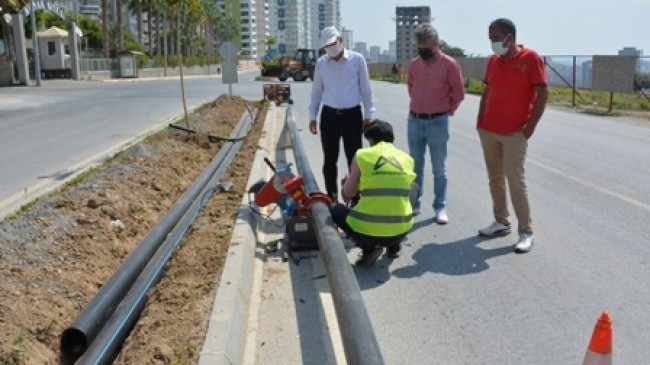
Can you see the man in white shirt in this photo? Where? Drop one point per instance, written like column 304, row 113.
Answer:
column 341, row 84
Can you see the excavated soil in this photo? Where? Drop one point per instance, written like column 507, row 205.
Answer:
column 56, row 255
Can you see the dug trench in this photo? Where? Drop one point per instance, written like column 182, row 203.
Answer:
column 56, row 254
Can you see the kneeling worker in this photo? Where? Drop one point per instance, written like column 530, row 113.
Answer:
column 383, row 176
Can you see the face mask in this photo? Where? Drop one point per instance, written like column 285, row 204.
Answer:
column 334, row 50
column 425, row 53
column 499, row 48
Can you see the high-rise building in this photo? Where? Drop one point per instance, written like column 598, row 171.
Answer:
column 297, row 23
column 586, row 71
column 373, row 53
column 630, row 51
column 323, row 13
column 361, row 47
column 392, row 50
column 253, row 19
column 407, row 19
column 91, row 9
column 263, row 29
column 348, row 38
column 287, row 19
column 248, row 32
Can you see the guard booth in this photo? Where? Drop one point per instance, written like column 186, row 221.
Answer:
column 127, row 63
column 55, row 56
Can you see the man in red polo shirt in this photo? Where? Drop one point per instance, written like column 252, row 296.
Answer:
column 511, row 106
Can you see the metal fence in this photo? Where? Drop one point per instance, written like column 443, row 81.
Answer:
column 95, row 64
column 582, row 71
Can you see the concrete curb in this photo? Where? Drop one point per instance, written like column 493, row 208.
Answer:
column 225, row 339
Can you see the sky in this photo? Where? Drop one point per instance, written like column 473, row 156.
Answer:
column 551, row 27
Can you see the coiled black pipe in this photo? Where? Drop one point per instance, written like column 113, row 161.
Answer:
column 360, row 342
column 77, row 337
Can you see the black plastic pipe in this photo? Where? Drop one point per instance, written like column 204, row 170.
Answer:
column 360, row 342
column 77, row 337
column 108, row 342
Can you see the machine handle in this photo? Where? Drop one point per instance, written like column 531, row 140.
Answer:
column 268, row 162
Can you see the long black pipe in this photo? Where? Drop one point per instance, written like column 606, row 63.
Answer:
column 109, row 341
column 77, row 337
column 360, row 342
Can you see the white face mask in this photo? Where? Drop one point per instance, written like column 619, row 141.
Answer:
column 333, row 50
column 498, row 48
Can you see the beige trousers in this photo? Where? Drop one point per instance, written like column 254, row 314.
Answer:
column 505, row 156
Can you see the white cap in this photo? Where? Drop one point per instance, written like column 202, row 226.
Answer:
column 328, row 36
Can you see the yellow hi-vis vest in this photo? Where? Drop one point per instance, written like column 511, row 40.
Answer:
column 384, row 209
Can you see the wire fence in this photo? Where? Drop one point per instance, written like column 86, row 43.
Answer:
column 577, row 71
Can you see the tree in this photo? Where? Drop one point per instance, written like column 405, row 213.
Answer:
column 7, row 7
column 452, row 51
column 120, row 30
column 106, row 28
column 136, row 7
column 92, row 31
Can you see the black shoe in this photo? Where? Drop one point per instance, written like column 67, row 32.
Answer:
column 367, row 259
column 392, row 255
column 392, row 252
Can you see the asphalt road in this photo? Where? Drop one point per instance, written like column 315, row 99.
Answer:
column 455, row 298
column 52, row 132
column 452, row 297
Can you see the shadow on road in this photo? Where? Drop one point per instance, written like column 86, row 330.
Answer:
column 460, row 257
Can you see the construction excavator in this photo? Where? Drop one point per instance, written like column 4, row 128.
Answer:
column 301, row 66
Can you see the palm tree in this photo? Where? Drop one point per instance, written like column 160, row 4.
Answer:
column 136, row 7
column 120, row 31
column 106, row 28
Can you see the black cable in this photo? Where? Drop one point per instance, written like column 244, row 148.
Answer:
column 227, row 139
column 181, row 128
column 266, row 217
column 212, row 138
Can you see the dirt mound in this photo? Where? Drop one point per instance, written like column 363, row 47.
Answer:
column 56, row 255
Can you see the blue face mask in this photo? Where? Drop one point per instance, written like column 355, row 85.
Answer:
column 499, row 49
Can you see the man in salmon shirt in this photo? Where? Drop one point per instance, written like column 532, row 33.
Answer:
column 435, row 86
column 512, row 104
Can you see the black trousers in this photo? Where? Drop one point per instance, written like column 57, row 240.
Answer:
column 337, row 124
column 367, row 243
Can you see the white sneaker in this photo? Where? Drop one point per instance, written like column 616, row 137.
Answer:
column 495, row 229
column 525, row 243
column 441, row 216
column 416, row 211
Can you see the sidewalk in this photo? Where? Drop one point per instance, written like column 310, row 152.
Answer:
column 267, row 310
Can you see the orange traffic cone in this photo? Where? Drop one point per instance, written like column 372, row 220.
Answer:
column 600, row 346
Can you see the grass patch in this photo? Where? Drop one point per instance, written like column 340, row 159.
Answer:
column 16, row 355
column 194, row 160
column 80, row 178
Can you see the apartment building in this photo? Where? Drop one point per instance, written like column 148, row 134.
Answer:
column 324, row 13
column 287, row 19
column 297, row 23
